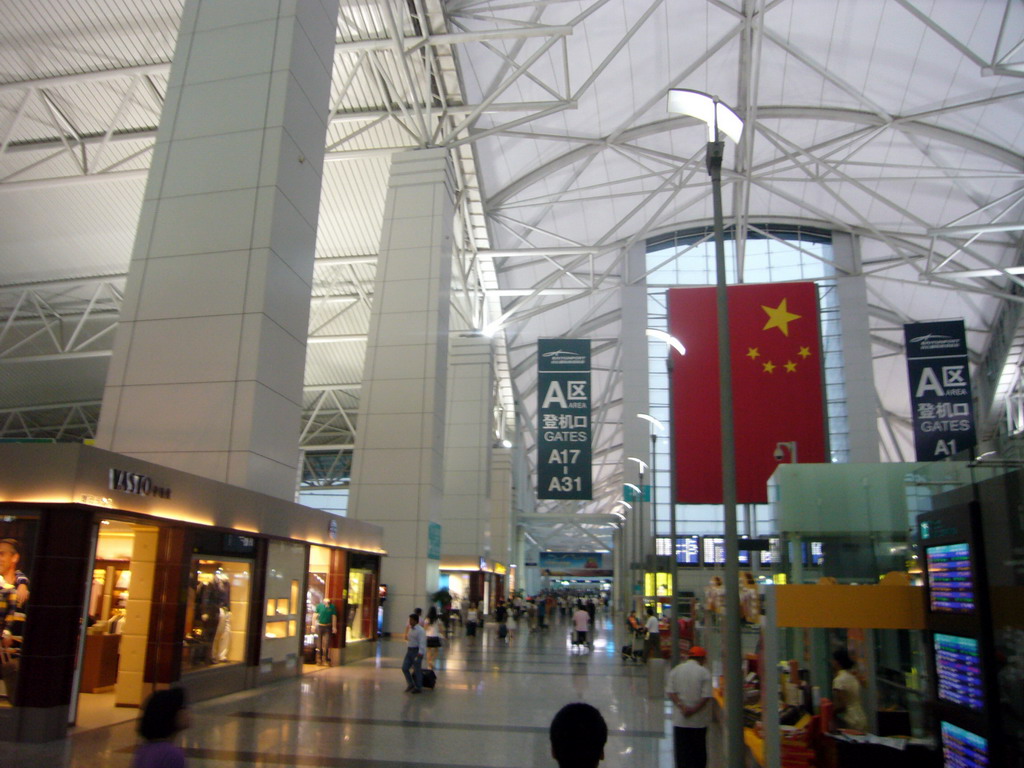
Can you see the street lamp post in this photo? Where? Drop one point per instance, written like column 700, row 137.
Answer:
column 720, row 119
column 673, row 580
column 639, row 518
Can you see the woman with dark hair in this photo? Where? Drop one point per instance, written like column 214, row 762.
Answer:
column 430, row 626
column 163, row 715
column 846, row 693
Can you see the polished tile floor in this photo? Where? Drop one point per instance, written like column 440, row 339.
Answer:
column 492, row 707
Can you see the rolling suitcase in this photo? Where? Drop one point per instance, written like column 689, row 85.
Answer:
column 429, row 678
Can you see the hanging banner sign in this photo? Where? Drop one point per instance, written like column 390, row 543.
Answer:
column 564, row 429
column 576, row 564
column 940, row 388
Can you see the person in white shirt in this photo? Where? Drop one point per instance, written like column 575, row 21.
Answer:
column 431, row 630
column 581, row 622
column 417, row 646
column 846, row 693
column 652, row 646
column 689, row 688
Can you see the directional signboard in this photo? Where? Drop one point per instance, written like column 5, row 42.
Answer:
column 940, row 388
column 564, row 427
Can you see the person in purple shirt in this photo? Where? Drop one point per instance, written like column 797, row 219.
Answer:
column 417, row 646
column 163, row 715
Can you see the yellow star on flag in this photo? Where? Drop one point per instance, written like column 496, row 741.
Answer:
column 790, row 366
column 769, row 367
column 804, row 352
column 752, row 353
column 779, row 317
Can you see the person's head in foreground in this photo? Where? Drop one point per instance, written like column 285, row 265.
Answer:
column 842, row 659
column 163, row 715
column 578, row 735
column 698, row 654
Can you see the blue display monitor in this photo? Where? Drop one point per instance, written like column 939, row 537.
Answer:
column 950, row 583
column 688, row 550
column 714, row 552
column 958, row 671
column 814, row 553
column 771, row 556
column 961, row 748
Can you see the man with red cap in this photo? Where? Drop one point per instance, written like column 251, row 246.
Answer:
column 689, row 687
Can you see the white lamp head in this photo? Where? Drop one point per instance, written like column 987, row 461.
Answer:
column 656, row 423
column 672, row 341
column 639, row 462
column 708, row 109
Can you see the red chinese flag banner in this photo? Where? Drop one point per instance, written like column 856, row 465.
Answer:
column 776, row 378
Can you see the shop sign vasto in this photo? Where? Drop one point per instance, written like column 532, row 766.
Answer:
column 940, row 388
column 564, row 430
column 131, row 482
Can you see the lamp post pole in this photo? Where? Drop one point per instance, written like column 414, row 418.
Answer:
column 642, row 529
column 733, row 658
column 673, row 567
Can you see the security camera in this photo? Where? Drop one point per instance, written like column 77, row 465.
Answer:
column 779, row 454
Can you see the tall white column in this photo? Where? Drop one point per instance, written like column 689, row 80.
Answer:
column 398, row 464
column 466, row 512
column 207, row 369
column 502, row 543
column 635, row 431
column 858, row 367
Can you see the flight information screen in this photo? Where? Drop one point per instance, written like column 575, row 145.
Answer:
column 814, row 553
column 771, row 556
column 958, row 670
column 714, row 552
column 950, row 584
column 961, row 748
column 688, row 550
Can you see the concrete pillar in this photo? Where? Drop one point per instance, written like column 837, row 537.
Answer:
column 131, row 688
column 858, row 368
column 398, row 467
column 639, row 531
column 502, row 544
column 207, row 369
column 466, row 515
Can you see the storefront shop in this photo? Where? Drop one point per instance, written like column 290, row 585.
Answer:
column 120, row 577
column 481, row 583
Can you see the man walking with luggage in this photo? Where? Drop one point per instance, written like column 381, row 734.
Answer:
column 417, row 646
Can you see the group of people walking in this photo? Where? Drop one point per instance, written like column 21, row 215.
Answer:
column 423, row 641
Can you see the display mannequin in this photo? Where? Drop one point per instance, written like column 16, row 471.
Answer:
column 326, row 625
column 211, row 616
column 222, row 636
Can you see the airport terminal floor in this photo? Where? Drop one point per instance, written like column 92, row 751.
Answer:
column 492, row 707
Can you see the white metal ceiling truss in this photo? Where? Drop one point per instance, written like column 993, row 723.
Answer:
column 856, row 185
column 58, row 422
column 899, row 125
column 64, row 319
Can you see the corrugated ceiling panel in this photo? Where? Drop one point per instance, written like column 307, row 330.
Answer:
column 352, row 207
column 45, row 38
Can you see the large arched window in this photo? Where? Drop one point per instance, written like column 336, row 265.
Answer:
column 772, row 254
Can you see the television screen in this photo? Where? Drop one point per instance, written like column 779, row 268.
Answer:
column 714, row 552
column 771, row 556
column 688, row 550
column 950, row 585
column 958, row 670
column 961, row 748
column 814, row 553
